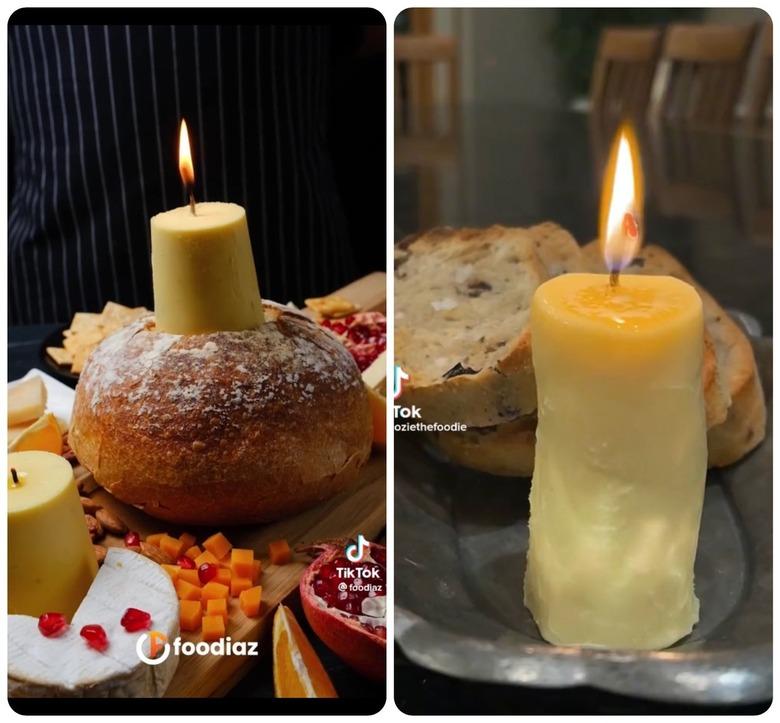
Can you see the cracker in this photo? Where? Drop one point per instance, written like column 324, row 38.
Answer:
column 332, row 307
column 61, row 356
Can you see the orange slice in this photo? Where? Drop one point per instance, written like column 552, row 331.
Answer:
column 298, row 672
column 44, row 435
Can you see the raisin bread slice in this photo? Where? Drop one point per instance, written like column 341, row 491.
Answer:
column 505, row 449
column 462, row 300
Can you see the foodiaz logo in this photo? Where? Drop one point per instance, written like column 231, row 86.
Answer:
column 158, row 648
column 154, row 647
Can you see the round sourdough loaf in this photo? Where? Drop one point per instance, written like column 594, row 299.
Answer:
column 462, row 301
column 222, row 428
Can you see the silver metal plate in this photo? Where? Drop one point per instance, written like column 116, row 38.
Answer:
column 461, row 538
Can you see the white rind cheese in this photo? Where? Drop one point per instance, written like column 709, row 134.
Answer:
column 67, row 667
column 26, row 401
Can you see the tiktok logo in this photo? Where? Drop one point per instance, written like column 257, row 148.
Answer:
column 399, row 377
column 355, row 552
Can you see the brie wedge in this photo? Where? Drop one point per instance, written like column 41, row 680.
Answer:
column 66, row 666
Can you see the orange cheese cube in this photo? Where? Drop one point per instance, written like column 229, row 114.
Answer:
column 212, row 590
column 218, row 545
column 249, row 601
column 187, row 591
column 190, row 576
column 241, row 562
column 206, row 557
column 239, row 584
column 171, row 546
column 217, row 606
column 279, row 552
column 224, row 576
column 155, row 538
column 187, row 539
column 257, row 570
column 193, row 552
column 213, row 627
column 190, row 614
column 172, row 570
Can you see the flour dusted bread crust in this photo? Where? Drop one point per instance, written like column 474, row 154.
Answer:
column 461, row 318
column 222, row 428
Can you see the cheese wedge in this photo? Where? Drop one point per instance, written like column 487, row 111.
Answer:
column 44, row 434
column 26, row 401
column 67, row 667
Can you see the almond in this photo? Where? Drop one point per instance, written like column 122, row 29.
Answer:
column 155, row 554
column 89, row 506
column 111, row 522
column 100, row 553
column 94, row 527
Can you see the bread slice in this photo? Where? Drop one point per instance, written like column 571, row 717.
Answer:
column 736, row 410
column 462, row 301
column 506, row 449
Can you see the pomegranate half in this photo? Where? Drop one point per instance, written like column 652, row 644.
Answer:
column 345, row 604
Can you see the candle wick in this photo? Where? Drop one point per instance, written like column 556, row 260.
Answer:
column 613, row 278
column 15, row 477
column 192, row 201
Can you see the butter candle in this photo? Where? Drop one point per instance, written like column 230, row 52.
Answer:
column 621, row 443
column 51, row 561
column 203, row 271
column 621, row 459
column 202, row 265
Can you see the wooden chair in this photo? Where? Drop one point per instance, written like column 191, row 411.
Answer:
column 424, row 139
column 700, row 73
column 415, row 57
column 623, row 71
column 755, row 105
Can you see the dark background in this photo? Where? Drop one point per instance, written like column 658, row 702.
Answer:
column 287, row 117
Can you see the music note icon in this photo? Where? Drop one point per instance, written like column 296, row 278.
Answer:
column 355, row 552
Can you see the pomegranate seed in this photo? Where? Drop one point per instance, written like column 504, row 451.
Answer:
column 185, row 563
column 52, row 625
column 327, row 571
column 135, row 619
column 207, row 571
column 132, row 539
column 95, row 636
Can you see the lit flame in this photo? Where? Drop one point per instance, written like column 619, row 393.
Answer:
column 185, row 157
column 622, row 202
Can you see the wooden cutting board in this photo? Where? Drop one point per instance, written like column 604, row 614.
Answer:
column 359, row 509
